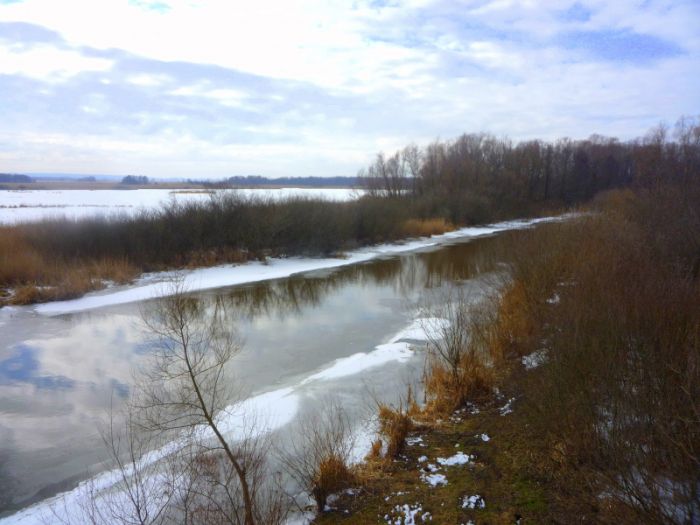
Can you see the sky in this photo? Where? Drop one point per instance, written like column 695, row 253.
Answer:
column 216, row 88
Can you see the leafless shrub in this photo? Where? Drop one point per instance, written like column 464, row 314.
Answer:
column 174, row 460
column 458, row 363
column 319, row 458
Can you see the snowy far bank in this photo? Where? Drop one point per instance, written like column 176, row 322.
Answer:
column 18, row 206
column 155, row 284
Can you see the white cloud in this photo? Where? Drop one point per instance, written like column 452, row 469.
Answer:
column 148, row 80
column 334, row 81
column 48, row 64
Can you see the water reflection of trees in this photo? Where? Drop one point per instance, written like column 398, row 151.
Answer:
column 405, row 275
column 7, row 483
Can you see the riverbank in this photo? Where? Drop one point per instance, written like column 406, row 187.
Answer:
column 575, row 397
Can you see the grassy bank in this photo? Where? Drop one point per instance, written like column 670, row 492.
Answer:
column 584, row 373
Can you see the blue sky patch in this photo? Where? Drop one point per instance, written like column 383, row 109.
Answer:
column 576, row 13
column 620, row 46
column 22, row 367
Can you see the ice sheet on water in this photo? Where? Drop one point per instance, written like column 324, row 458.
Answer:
column 422, row 329
column 356, row 363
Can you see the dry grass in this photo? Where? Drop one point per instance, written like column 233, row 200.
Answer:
column 35, row 278
column 426, row 227
column 614, row 302
column 333, row 476
column 394, row 425
column 18, row 261
column 224, row 255
column 447, row 391
column 515, row 330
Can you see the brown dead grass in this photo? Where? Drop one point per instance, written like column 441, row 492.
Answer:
column 333, row 476
column 30, row 277
column 394, row 425
column 514, row 331
column 426, row 227
column 18, row 261
column 447, row 391
column 223, row 255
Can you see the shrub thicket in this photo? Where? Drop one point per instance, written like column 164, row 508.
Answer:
column 614, row 302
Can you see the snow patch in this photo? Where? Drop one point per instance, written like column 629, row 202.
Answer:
column 460, row 458
column 554, row 299
column 407, row 515
column 356, row 363
column 473, row 502
column 422, row 329
column 535, row 359
column 434, row 480
column 507, row 408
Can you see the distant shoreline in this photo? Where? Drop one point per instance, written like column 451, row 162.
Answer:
column 108, row 185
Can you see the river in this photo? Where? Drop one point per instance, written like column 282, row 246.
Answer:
column 305, row 338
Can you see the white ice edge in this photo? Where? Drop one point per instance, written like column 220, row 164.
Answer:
column 267, row 412
column 155, row 284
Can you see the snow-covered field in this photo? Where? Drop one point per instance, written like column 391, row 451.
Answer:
column 32, row 205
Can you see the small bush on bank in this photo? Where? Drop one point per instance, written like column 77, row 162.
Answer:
column 394, row 424
column 319, row 460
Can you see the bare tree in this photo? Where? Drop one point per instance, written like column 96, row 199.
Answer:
column 186, row 391
column 175, row 459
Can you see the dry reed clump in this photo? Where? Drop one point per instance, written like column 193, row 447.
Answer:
column 65, row 281
column 333, row 475
column 447, row 389
column 514, row 331
column 426, row 227
column 375, row 451
column 19, row 262
column 223, row 255
column 394, row 425
column 119, row 271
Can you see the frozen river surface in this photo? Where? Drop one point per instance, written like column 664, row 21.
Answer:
column 313, row 329
column 33, row 205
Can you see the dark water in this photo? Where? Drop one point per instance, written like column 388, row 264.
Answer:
column 60, row 375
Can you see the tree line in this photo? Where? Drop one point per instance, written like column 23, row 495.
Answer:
column 476, row 175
